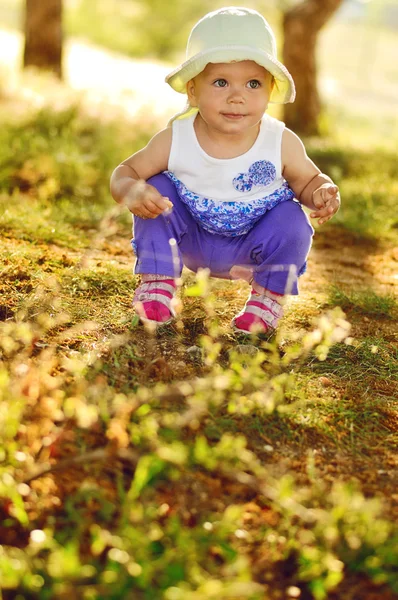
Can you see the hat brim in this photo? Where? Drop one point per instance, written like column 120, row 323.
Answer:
column 282, row 93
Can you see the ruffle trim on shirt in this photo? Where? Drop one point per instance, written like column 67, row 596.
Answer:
column 228, row 218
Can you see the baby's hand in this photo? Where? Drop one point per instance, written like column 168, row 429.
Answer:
column 144, row 200
column 326, row 200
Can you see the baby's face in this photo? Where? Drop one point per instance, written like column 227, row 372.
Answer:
column 231, row 96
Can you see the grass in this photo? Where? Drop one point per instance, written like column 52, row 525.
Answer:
column 374, row 356
column 367, row 185
column 366, row 302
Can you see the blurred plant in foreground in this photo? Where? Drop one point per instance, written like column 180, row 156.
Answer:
column 141, row 542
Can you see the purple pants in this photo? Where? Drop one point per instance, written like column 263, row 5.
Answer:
column 275, row 249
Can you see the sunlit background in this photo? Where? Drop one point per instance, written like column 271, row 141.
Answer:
column 117, row 53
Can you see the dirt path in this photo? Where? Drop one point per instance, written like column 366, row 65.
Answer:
column 339, row 259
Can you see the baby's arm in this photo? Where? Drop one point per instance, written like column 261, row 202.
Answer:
column 128, row 180
column 311, row 187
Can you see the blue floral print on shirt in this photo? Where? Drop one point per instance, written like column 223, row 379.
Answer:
column 262, row 172
column 228, row 218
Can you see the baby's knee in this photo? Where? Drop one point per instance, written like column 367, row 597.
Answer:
column 293, row 221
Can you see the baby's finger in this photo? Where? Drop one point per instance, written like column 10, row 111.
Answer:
column 333, row 206
column 330, row 194
column 321, row 212
column 152, row 206
column 143, row 213
column 158, row 203
column 319, row 203
column 324, row 215
column 168, row 202
column 324, row 219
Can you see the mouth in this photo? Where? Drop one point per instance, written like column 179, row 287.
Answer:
column 233, row 116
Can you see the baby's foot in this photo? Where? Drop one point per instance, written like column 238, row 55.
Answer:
column 259, row 315
column 153, row 301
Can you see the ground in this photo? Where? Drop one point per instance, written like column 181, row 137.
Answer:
column 337, row 259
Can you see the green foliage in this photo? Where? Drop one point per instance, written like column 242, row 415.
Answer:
column 343, row 531
column 131, row 27
column 53, row 152
column 59, row 164
column 150, row 29
column 368, row 187
column 366, row 302
column 374, row 355
column 75, row 150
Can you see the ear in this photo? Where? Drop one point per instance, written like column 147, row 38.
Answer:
column 273, row 84
column 191, row 93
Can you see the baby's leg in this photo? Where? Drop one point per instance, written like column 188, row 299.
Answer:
column 156, row 252
column 276, row 248
column 162, row 246
column 271, row 257
column 159, row 262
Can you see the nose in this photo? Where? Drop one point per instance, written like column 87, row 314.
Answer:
column 236, row 96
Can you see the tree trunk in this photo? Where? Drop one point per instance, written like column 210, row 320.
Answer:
column 43, row 35
column 301, row 25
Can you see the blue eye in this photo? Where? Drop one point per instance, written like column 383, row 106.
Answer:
column 220, row 83
column 254, row 84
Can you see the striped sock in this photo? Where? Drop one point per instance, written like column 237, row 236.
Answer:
column 153, row 299
column 260, row 314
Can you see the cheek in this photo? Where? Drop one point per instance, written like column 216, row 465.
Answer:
column 264, row 98
column 210, row 99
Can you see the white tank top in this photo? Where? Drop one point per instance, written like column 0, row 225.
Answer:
column 228, row 196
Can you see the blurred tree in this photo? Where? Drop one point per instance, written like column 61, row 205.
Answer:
column 43, row 35
column 302, row 24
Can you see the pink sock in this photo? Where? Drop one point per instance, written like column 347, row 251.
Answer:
column 153, row 297
column 260, row 313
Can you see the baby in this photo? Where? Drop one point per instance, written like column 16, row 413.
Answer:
column 224, row 182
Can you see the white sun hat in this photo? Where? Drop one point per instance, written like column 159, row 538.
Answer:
column 233, row 34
